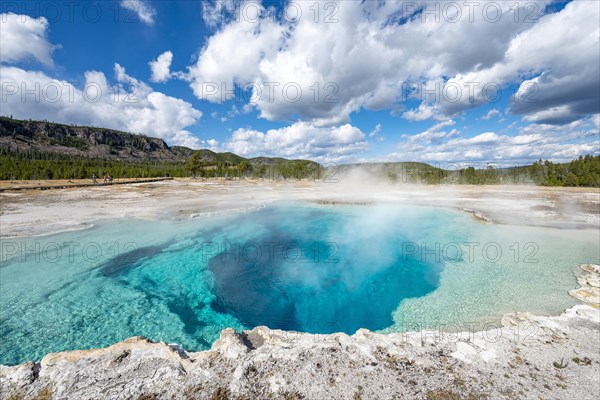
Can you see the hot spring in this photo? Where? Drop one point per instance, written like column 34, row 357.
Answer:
column 292, row 266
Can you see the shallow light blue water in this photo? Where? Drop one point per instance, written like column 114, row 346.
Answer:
column 290, row 266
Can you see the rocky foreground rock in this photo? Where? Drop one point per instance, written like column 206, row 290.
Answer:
column 528, row 357
column 589, row 282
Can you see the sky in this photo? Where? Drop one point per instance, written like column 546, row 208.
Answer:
column 443, row 82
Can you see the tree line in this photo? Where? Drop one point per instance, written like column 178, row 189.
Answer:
column 32, row 164
column 243, row 168
column 583, row 171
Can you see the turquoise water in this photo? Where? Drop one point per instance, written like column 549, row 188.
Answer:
column 298, row 267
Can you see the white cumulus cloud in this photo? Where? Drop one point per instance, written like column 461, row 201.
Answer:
column 491, row 114
column 143, row 11
column 161, row 67
column 23, row 38
column 324, row 72
column 300, row 140
column 535, row 141
column 128, row 104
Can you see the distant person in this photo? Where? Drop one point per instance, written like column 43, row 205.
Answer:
column 94, row 178
column 105, row 179
column 110, row 179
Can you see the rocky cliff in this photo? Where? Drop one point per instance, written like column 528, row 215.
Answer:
column 91, row 142
column 84, row 141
